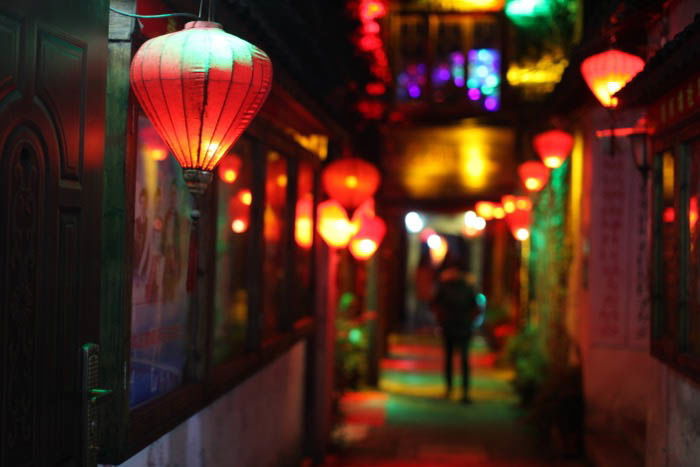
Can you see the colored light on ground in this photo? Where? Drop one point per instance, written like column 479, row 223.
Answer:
column 239, row 226
column 608, row 72
column 414, row 222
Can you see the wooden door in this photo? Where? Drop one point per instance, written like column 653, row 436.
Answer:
column 52, row 94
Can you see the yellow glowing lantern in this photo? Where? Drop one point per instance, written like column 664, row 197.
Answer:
column 333, row 224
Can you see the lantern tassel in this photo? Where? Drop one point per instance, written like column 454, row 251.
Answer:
column 193, row 262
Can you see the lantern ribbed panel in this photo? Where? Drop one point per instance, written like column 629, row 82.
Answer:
column 608, row 72
column 200, row 87
column 350, row 181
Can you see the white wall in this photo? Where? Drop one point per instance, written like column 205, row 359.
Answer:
column 259, row 423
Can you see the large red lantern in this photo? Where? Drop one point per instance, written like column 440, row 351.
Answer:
column 368, row 237
column 608, row 72
column 519, row 223
column 333, row 224
column 534, row 175
column 350, row 181
column 553, row 147
column 200, row 87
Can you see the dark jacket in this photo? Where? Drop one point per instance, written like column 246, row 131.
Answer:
column 456, row 306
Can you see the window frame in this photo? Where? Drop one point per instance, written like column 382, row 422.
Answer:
column 126, row 431
column 673, row 347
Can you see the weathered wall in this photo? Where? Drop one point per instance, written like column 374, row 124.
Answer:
column 259, row 423
column 616, row 365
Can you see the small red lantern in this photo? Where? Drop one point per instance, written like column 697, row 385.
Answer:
column 200, row 87
column 534, row 175
column 368, row 238
column 350, row 181
column 519, row 223
column 333, row 224
column 553, row 147
column 229, row 168
column 303, row 222
column 608, row 72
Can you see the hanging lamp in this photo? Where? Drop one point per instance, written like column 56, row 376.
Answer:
column 534, row 175
column 608, row 72
column 200, row 87
column 519, row 223
column 369, row 236
column 553, row 147
column 350, row 181
column 333, row 224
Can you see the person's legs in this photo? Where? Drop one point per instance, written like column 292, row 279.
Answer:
column 448, row 348
column 464, row 351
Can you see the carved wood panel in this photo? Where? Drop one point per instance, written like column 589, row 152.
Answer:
column 52, row 76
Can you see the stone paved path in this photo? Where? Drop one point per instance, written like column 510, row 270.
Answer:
column 407, row 423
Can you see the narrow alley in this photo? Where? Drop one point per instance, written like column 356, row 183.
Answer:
column 251, row 233
column 410, row 423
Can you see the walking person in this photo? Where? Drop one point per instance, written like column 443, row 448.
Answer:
column 456, row 307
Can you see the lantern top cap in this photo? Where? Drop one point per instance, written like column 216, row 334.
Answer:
column 203, row 25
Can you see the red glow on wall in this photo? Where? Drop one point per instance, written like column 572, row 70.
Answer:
column 350, row 181
column 152, row 145
column 669, row 214
column 534, row 175
column 200, row 87
column 229, row 168
column 608, row 72
column 303, row 222
column 553, row 147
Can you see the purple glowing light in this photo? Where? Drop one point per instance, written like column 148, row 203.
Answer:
column 491, row 103
column 414, row 91
column 457, row 58
column 459, row 81
column 474, row 94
